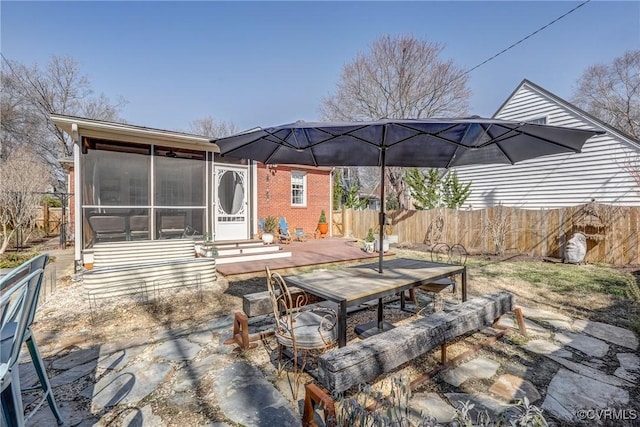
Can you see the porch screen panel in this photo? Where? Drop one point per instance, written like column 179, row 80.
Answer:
column 180, row 198
column 116, row 178
column 179, row 178
column 115, row 191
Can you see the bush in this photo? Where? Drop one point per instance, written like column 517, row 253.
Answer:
column 14, row 259
column 53, row 202
column 270, row 224
column 370, row 237
column 323, row 218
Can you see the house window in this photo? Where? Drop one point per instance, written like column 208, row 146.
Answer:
column 538, row 120
column 298, row 188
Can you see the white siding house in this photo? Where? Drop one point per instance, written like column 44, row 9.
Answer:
column 597, row 173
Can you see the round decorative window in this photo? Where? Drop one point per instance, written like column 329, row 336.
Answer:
column 231, row 192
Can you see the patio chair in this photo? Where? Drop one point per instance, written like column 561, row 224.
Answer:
column 16, row 311
column 139, row 227
column 301, row 236
column 12, row 308
column 172, row 226
column 284, row 235
column 108, row 228
column 36, row 264
column 305, row 330
column 260, row 227
column 456, row 254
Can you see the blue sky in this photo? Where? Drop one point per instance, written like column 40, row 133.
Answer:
column 269, row 63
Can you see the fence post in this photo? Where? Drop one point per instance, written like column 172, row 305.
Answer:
column 45, row 221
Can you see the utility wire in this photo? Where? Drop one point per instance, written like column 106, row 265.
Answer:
column 512, row 45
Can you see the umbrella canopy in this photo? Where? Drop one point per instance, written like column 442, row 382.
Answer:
column 433, row 143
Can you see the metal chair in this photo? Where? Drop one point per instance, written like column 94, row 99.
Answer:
column 9, row 330
column 14, row 314
column 301, row 328
column 456, row 254
column 301, row 236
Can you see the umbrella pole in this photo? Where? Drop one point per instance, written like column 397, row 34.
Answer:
column 381, row 219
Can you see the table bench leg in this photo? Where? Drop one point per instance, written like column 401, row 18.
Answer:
column 241, row 335
column 315, row 395
column 240, row 331
column 522, row 327
column 520, row 318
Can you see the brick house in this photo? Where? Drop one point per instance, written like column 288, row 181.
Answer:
column 132, row 182
column 274, row 184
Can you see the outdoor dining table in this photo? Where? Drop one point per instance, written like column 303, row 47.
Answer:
column 352, row 286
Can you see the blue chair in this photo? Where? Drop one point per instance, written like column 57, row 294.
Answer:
column 260, row 227
column 301, row 236
column 284, row 236
column 13, row 316
column 10, row 330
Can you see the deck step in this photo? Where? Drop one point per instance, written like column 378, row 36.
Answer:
column 252, row 257
column 228, row 244
column 223, row 252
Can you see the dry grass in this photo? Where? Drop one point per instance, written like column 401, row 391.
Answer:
column 596, row 292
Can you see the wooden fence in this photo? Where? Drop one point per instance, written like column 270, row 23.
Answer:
column 613, row 232
column 50, row 220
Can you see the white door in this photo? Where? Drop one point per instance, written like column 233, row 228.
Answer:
column 230, row 209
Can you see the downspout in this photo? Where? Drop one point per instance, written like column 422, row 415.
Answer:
column 254, row 199
column 331, row 207
column 77, row 200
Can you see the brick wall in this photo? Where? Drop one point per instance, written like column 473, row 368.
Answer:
column 274, row 195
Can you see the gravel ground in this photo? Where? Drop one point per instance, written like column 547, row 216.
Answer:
column 66, row 322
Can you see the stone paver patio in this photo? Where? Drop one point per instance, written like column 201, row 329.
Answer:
column 195, row 366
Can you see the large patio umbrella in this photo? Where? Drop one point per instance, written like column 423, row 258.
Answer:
column 433, row 143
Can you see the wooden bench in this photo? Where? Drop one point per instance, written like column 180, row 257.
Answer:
column 364, row 361
column 144, row 267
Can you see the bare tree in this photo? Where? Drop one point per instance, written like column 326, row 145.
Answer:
column 31, row 94
column 210, row 127
column 400, row 77
column 24, row 177
column 611, row 92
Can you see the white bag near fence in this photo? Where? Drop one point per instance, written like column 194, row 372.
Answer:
column 575, row 249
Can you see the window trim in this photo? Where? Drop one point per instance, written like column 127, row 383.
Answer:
column 534, row 120
column 303, row 175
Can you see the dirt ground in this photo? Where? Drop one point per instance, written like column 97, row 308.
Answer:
column 68, row 322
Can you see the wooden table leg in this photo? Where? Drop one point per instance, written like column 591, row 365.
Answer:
column 464, row 284
column 342, row 324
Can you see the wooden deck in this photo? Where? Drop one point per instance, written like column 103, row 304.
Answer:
column 311, row 252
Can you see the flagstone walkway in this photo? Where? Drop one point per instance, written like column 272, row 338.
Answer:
column 597, row 366
column 159, row 380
